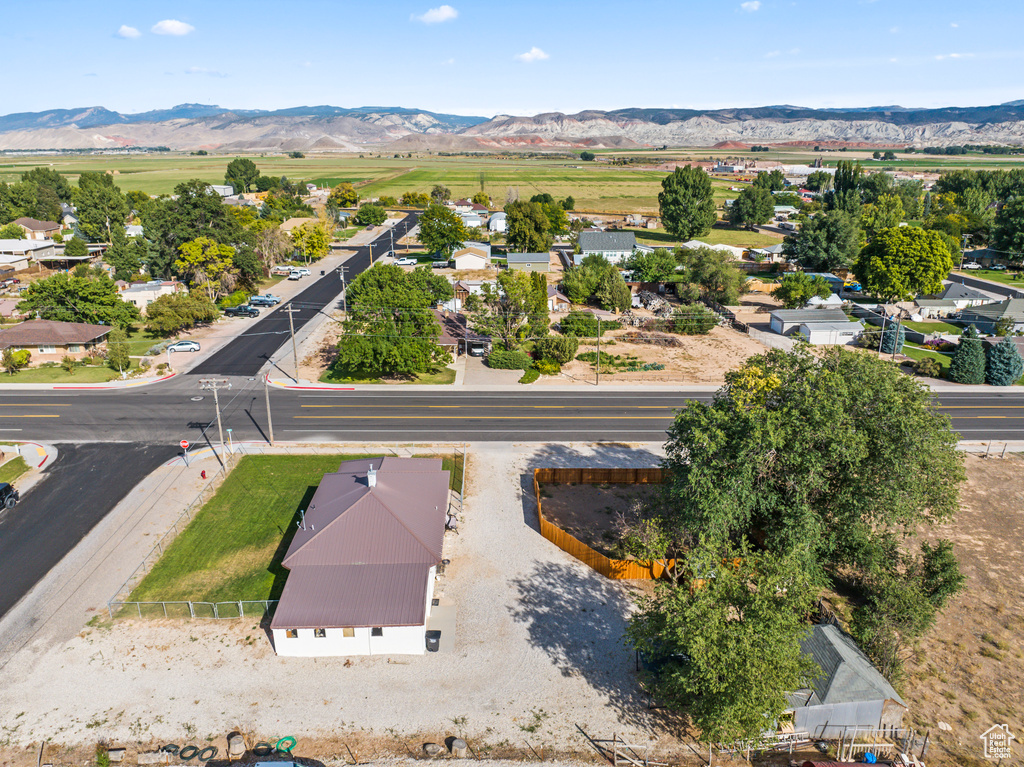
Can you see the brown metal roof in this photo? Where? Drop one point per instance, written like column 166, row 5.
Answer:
column 355, row 534
column 35, row 225
column 51, row 333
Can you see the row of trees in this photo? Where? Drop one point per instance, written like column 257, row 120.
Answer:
column 1001, row 365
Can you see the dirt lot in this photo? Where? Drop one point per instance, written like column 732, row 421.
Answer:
column 969, row 670
column 589, row 512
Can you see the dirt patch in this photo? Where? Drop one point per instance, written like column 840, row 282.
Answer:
column 968, row 669
column 590, row 512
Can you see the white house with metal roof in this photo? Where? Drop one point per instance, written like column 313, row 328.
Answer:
column 786, row 321
column 614, row 246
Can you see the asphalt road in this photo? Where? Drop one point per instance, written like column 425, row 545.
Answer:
column 80, row 488
column 245, row 355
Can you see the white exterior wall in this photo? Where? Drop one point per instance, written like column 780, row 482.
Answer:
column 396, row 640
column 613, row 256
column 471, row 261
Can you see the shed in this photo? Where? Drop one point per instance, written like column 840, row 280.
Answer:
column 497, row 223
column 558, row 301
column 785, row 321
column 472, row 257
column 529, row 262
column 838, row 333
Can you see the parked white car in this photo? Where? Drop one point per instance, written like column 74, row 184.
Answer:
column 184, row 346
column 972, row 265
column 406, row 262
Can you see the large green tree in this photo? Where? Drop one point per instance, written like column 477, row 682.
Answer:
column 117, row 350
column 312, row 240
column 179, row 311
column 828, row 241
column 68, row 298
column 527, row 227
column 598, row 281
column 797, row 288
column 657, row 266
column 686, row 203
column 755, row 205
column 902, row 262
column 1008, row 230
column 442, row 230
column 241, row 174
column 390, row 329
column 885, row 213
column 771, row 181
column 371, row 215
column 11, row 232
column 344, row 195
column 968, row 363
column 504, row 309
column 205, row 263
column 1003, row 364
column 723, row 641
column 100, row 206
column 713, row 273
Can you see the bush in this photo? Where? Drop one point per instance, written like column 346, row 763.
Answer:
column 502, row 359
column 692, row 320
column 584, row 325
column 968, row 365
column 548, row 367
column 237, row 298
column 1003, row 364
column 68, row 364
column 529, row 376
column 559, row 349
column 929, row 367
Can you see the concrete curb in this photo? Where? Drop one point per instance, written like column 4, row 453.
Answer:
column 314, row 386
column 87, row 387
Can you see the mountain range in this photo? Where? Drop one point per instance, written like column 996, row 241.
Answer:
column 330, row 128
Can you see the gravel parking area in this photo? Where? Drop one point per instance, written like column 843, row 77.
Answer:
column 538, row 651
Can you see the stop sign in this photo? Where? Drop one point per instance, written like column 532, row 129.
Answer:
column 184, row 444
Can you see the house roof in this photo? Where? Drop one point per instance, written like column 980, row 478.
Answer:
column 854, row 326
column 365, row 553
column 810, row 315
column 24, row 246
column 938, row 303
column 847, row 674
column 554, row 292
column 35, row 225
column 133, row 230
column 527, row 258
column 462, row 203
column 455, row 328
column 1011, row 307
column 478, row 207
column 956, row 291
column 607, row 241
column 51, row 333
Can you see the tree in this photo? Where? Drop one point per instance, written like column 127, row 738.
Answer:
column 51, row 179
column 560, row 349
column 1008, row 229
column 241, row 174
column 713, row 273
column 179, row 311
column 371, row 215
column 910, row 191
column 100, row 206
column 828, row 241
column 117, row 350
column 819, row 181
column 527, row 227
column 76, row 248
column 440, row 194
column 724, row 643
column 204, row 262
column 686, row 203
column 390, row 329
column 558, row 221
column 656, row 266
column 1003, row 364
column 442, row 230
column 415, row 200
column 902, row 262
column 772, row 181
column 753, row 206
column 13, row 361
column 270, row 244
column 344, row 195
column 11, row 232
column 68, row 298
column 885, row 213
column 824, row 457
column 482, row 198
column 596, row 278
column 587, row 156
column 504, row 312
column 312, row 240
column 122, row 254
column 569, row 203
column 612, row 293
column 797, row 288
column 968, row 363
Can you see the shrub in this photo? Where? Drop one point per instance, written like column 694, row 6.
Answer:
column 559, row 349
column 929, row 366
column 584, row 325
column 237, row 298
column 1003, row 364
column 501, row 359
column 529, row 376
column 548, row 367
column 692, row 320
column 69, row 364
column 893, row 337
column 968, row 365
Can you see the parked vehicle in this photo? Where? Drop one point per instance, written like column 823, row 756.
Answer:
column 998, row 267
column 242, row 311
column 303, row 271
column 439, row 264
column 406, row 262
column 294, row 276
column 972, row 265
column 184, row 346
column 281, row 269
column 8, row 495
column 267, row 300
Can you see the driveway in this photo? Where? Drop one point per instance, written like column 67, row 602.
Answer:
column 478, row 374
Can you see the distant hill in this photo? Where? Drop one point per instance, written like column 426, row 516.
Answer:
column 331, row 128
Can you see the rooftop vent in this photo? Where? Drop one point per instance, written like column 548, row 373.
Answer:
column 371, row 477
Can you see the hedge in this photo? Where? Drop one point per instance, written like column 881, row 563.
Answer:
column 502, row 359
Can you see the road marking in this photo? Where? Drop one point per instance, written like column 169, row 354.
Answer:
column 511, row 407
column 32, row 404
column 49, row 415
column 486, row 417
column 11, row 429
column 995, row 416
column 980, row 407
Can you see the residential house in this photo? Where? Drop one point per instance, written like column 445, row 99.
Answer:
column 9, row 307
column 142, row 294
column 462, row 290
column 557, row 301
column 51, row 341
column 614, row 246
column 529, row 262
column 362, row 564
column 849, row 693
column 294, row 223
column 223, row 190
column 480, row 210
column 38, row 230
column 963, row 296
column 770, row 255
column 784, row 211
column 462, row 206
column 786, row 321
column 456, row 336
column 498, row 223
column 934, row 308
column 985, row 318
column 473, row 256
column 472, row 220
column 16, row 255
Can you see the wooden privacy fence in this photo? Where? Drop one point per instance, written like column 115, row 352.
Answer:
column 618, row 569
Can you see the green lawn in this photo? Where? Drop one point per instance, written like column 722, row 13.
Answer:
column 934, row 327
column 141, row 341
column 1006, row 278
column 91, row 374
column 13, row 469
column 918, row 353
column 232, row 549
column 336, row 374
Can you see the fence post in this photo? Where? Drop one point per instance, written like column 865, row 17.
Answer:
column 191, row 610
column 165, row 608
column 240, row 613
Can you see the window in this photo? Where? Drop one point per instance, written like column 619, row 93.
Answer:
column 349, row 632
column 319, row 633
column 74, row 348
column 47, row 349
column 291, row 633
column 377, row 632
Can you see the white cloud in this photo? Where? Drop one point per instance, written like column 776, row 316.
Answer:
column 172, row 27
column 437, row 15
column 894, row 30
column 204, row 71
column 772, row 54
column 943, row 56
column 751, row 5
column 448, row 62
column 534, row 54
column 129, row 33
column 953, row 24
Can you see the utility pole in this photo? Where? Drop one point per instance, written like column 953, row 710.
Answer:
column 963, row 250
column 882, row 334
column 295, row 351
column 266, row 393
column 214, row 384
column 344, row 290
column 598, row 351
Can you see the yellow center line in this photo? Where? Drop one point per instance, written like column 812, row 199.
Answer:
column 990, row 416
column 443, row 406
column 490, row 417
column 980, row 407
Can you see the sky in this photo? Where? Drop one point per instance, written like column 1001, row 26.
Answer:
column 523, row 58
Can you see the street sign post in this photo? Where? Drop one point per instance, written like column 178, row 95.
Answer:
column 184, row 450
